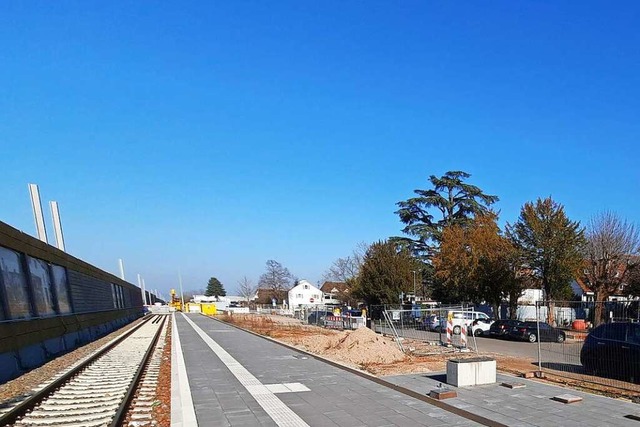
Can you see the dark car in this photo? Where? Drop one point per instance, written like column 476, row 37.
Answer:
column 528, row 331
column 429, row 323
column 613, row 349
column 500, row 328
column 316, row 317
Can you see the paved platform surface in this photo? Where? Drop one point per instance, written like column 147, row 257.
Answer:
column 532, row 405
column 335, row 397
column 239, row 379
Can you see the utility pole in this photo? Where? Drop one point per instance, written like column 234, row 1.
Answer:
column 415, row 298
column 181, row 294
column 121, row 264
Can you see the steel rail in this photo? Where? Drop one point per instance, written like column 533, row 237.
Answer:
column 30, row 402
column 124, row 406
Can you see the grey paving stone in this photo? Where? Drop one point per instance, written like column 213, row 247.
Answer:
column 350, row 398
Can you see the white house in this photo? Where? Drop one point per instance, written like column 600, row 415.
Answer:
column 530, row 296
column 305, row 294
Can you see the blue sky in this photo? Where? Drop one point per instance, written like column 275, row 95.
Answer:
column 209, row 137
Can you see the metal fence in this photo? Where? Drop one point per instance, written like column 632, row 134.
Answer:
column 332, row 317
column 594, row 342
column 610, row 357
column 423, row 324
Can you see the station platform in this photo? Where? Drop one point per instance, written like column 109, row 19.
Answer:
column 238, row 379
column 224, row 376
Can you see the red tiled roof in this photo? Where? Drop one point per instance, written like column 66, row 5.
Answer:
column 340, row 287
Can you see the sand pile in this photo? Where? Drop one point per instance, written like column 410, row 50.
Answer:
column 361, row 347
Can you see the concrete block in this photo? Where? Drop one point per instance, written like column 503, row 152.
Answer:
column 10, row 368
column 31, row 356
column 469, row 372
column 567, row 398
column 443, row 393
column 54, row 346
column 513, row 385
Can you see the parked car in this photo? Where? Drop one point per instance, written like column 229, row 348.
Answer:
column 429, row 323
column 528, row 331
column 480, row 327
column 316, row 317
column 613, row 349
column 463, row 319
column 500, row 328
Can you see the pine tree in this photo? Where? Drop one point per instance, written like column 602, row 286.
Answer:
column 451, row 201
column 215, row 288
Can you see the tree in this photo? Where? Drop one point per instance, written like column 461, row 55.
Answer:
column 276, row 279
column 215, row 288
column 347, row 268
column 385, row 273
column 551, row 245
column 247, row 289
column 478, row 263
column 451, row 199
column 610, row 253
column 634, row 280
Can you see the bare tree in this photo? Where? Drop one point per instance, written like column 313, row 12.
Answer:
column 347, row 268
column 247, row 289
column 276, row 279
column 611, row 253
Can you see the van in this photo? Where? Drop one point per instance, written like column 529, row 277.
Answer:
column 463, row 319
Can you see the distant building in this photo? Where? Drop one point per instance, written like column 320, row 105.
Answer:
column 265, row 296
column 305, row 294
column 203, row 298
column 336, row 292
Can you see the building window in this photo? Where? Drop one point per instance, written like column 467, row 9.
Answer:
column 306, row 286
column 62, row 291
column 15, row 285
column 41, row 285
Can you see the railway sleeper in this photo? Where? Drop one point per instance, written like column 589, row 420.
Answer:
column 114, row 391
column 98, row 387
column 69, row 421
column 72, row 406
column 56, row 399
column 53, row 414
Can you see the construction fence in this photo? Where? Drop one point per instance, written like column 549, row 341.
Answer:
column 594, row 342
column 591, row 342
column 332, row 317
column 435, row 325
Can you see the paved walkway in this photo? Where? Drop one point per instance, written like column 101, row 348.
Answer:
column 529, row 406
column 238, row 379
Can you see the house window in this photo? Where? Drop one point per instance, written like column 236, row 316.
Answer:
column 306, row 286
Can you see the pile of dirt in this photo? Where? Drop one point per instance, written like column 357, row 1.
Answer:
column 360, row 347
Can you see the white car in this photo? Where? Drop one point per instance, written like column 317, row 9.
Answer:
column 461, row 319
column 480, row 327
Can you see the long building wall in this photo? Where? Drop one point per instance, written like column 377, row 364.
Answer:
column 52, row 302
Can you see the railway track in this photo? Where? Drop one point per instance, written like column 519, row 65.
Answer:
column 99, row 390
